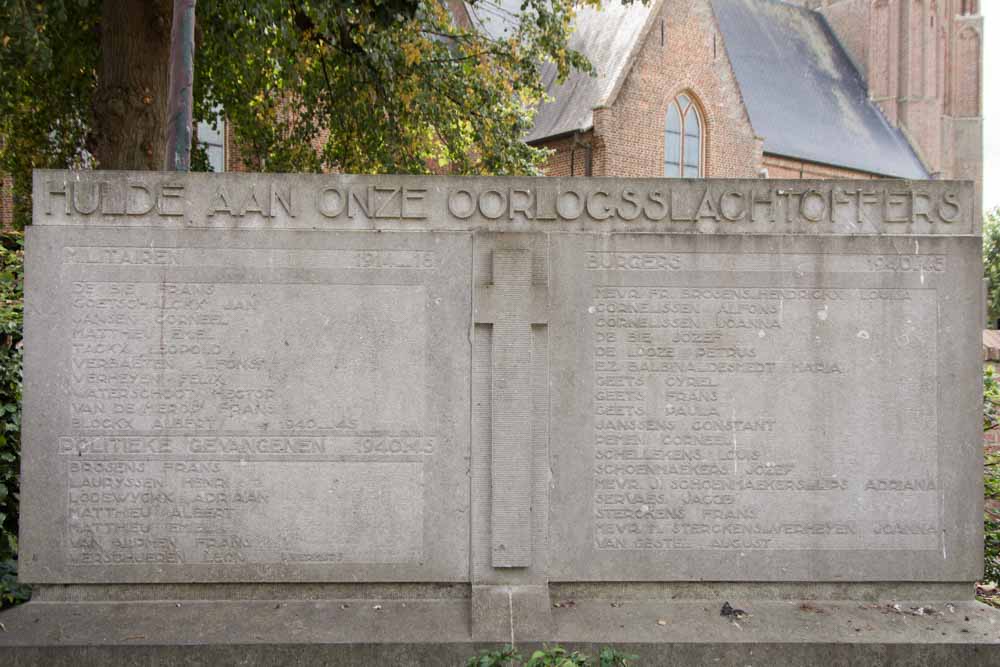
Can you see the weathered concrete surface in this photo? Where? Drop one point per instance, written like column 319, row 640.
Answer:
column 501, row 410
column 780, row 408
column 235, row 407
column 378, row 632
column 247, row 378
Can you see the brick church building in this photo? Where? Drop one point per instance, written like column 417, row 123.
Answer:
column 771, row 89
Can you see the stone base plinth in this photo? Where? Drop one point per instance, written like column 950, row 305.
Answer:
column 440, row 632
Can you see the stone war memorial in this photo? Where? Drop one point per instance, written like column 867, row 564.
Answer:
column 386, row 420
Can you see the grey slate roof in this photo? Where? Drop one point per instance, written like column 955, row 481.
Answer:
column 804, row 96
column 608, row 38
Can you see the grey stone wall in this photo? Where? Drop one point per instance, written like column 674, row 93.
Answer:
column 268, row 378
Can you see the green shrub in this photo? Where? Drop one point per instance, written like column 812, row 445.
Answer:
column 991, row 262
column 991, row 527
column 610, row 657
column 991, row 478
column 555, row 656
column 991, row 399
column 11, row 318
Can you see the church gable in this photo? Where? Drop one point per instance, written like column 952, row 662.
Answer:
column 681, row 64
column 609, row 37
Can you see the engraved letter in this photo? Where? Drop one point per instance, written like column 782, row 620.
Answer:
column 630, row 196
column 327, row 208
column 170, row 191
column 492, row 212
column 951, row 202
column 141, row 207
column 54, row 188
column 706, row 209
column 452, row 196
column 91, row 202
column 656, row 196
column 740, row 210
column 220, row 204
column 561, row 209
column 412, row 195
column 816, row 212
column 524, row 207
column 283, row 197
column 600, row 214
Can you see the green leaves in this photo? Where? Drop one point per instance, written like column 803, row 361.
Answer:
column 11, row 318
column 991, row 477
column 505, row 657
column 610, row 657
column 48, row 64
column 376, row 87
column 991, row 261
column 11, row 592
column 991, row 483
column 555, row 656
column 991, row 399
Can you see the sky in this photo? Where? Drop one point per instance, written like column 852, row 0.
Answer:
column 990, row 10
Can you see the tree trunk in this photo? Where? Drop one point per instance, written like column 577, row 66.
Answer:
column 130, row 103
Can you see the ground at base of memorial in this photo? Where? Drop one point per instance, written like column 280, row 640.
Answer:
column 438, row 632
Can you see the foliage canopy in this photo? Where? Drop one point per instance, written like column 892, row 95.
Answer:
column 991, row 262
column 377, row 86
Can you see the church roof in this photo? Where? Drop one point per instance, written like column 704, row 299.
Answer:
column 804, row 95
column 609, row 37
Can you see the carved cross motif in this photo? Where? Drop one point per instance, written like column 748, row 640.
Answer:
column 512, row 304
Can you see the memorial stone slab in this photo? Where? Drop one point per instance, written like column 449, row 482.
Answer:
column 481, row 394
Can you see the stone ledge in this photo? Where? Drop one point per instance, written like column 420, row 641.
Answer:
column 437, row 632
column 382, row 655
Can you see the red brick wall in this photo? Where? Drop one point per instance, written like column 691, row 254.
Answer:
column 922, row 60
column 783, row 167
column 6, row 203
column 234, row 156
column 968, row 56
column 991, row 441
column 573, row 155
column 691, row 58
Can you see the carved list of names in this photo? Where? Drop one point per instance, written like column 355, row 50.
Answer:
column 241, row 406
column 742, row 416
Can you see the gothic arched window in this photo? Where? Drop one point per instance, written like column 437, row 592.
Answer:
column 682, row 157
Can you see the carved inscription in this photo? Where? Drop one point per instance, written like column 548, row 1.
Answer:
column 200, row 510
column 322, row 201
column 374, row 258
column 735, row 417
column 234, row 421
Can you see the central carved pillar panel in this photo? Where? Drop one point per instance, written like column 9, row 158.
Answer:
column 510, row 497
column 510, row 432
